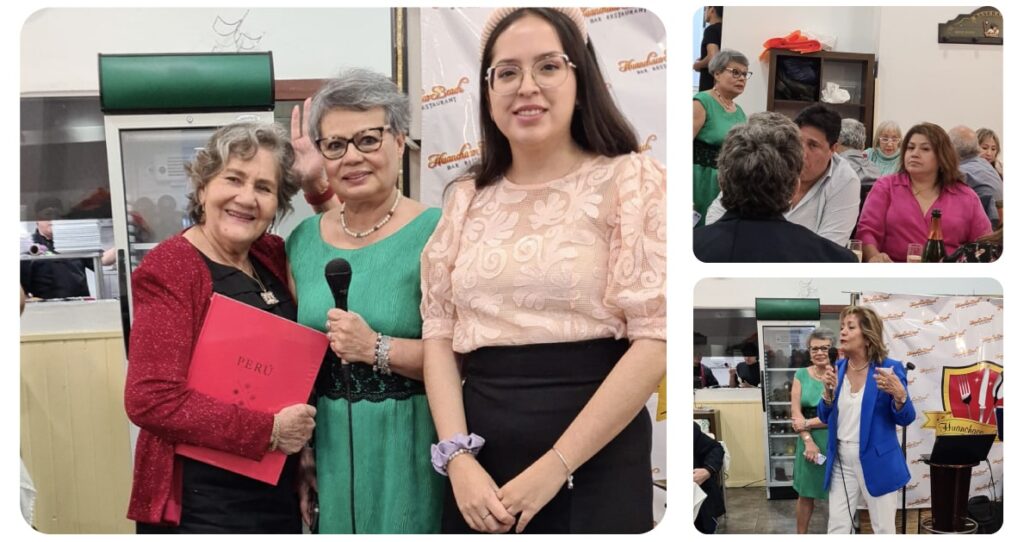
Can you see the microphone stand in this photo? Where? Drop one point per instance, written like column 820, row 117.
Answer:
column 903, row 509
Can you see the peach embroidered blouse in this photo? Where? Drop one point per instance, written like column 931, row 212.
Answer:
column 580, row 257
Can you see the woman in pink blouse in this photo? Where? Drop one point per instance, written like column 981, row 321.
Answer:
column 544, row 289
column 898, row 209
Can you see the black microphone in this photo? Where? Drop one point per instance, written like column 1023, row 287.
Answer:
column 833, row 355
column 339, row 275
column 910, row 366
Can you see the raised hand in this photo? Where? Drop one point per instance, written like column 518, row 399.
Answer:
column 309, row 163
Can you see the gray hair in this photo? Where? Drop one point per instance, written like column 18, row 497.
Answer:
column 722, row 59
column 243, row 140
column 965, row 142
column 886, row 126
column 822, row 334
column 852, row 134
column 359, row 89
column 759, row 164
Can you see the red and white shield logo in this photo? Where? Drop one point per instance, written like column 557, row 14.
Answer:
column 969, row 392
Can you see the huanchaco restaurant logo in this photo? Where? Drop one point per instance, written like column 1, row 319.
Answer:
column 894, row 316
column 938, row 319
column 653, row 59
column 982, row 321
column 952, row 336
column 646, row 146
column 921, row 351
column 906, row 334
column 440, row 94
column 875, row 298
column 466, row 152
column 968, row 304
column 926, row 302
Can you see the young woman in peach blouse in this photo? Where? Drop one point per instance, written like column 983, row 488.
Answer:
column 544, row 297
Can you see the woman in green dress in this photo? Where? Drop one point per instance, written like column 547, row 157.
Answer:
column 355, row 137
column 885, row 152
column 714, row 112
column 808, row 474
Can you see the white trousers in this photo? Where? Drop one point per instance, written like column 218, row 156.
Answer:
column 882, row 509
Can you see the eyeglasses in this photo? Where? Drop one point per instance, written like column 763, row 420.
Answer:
column 738, row 74
column 889, row 139
column 548, row 72
column 820, row 348
column 367, row 140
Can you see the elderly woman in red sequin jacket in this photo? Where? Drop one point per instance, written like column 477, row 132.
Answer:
column 242, row 179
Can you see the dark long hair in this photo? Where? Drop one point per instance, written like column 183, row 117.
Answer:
column 597, row 125
column 949, row 163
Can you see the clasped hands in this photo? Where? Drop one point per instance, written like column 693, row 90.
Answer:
column 490, row 509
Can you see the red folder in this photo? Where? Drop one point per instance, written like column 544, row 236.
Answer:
column 257, row 360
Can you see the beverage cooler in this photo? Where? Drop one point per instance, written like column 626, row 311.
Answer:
column 158, row 109
column 783, row 327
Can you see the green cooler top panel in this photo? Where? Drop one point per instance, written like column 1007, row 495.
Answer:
column 174, row 83
column 780, row 309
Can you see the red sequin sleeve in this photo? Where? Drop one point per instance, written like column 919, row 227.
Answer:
column 170, row 295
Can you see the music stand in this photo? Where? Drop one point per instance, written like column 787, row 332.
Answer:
column 951, row 461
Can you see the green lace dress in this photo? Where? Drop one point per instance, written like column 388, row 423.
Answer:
column 396, row 489
column 706, row 145
column 809, row 478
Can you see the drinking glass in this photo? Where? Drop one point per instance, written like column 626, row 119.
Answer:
column 914, row 252
column 857, row 248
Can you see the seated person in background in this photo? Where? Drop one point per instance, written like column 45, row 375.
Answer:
column 978, row 173
column 827, row 199
column 708, row 458
column 851, row 147
column 759, row 168
column 898, row 208
column 748, row 373
column 702, row 375
column 990, row 147
column 885, row 150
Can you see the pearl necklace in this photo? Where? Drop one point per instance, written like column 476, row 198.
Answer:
column 726, row 104
column 859, row 369
column 377, row 226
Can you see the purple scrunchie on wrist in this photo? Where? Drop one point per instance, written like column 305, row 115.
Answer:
column 441, row 453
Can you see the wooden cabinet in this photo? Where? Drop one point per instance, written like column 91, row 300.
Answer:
column 796, row 81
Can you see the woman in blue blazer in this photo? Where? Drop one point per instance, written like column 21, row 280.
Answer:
column 865, row 399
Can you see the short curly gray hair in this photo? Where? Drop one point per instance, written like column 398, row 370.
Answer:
column 722, row 59
column 759, row 164
column 822, row 334
column 852, row 134
column 359, row 89
column 243, row 140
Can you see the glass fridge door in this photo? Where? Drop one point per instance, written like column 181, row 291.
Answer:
column 784, row 350
column 156, row 185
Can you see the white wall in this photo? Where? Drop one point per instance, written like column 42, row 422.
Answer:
column 59, row 45
column 747, row 28
column 918, row 78
column 721, row 293
column 921, row 79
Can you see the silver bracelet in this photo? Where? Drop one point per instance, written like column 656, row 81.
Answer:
column 568, row 471
column 382, row 354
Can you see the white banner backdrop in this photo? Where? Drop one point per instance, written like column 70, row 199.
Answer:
column 630, row 45
column 956, row 344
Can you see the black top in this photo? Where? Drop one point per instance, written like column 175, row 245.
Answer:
column 53, row 279
column 751, row 374
column 219, row 501
column 737, row 239
column 712, row 34
column 703, row 377
column 708, row 454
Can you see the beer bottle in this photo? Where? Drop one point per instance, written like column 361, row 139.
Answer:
column 934, row 249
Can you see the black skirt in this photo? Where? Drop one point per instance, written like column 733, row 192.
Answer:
column 521, row 399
